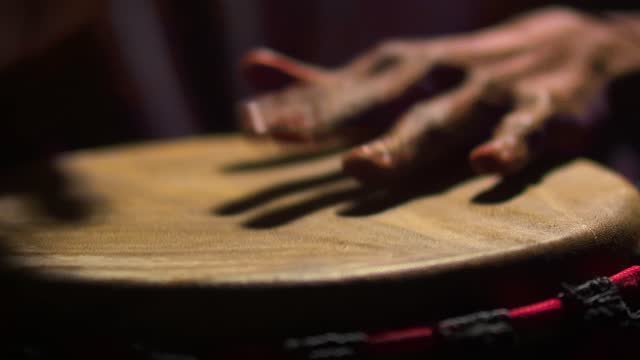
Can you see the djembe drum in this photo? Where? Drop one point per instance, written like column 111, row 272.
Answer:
column 223, row 238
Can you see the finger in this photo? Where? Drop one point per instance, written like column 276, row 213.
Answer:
column 311, row 112
column 415, row 140
column 514, row 142
column 383, row 57
column 290, row 112
column 495, row 42
column 507, row 38
column 565, row 90
column 268, row 70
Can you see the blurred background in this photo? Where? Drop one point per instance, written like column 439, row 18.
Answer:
column 77, row 73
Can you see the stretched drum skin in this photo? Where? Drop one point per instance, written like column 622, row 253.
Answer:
column 224, row 235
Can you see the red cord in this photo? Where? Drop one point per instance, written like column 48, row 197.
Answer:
column 525, row 317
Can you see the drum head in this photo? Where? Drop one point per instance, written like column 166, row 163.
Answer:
column 206, row 231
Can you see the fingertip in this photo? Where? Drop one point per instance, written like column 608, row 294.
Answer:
column 496, row 158
column 251, row 118
column 268, row 70
column 265, row 71
column 484, row 160
column 288, row 135
column 370, row 164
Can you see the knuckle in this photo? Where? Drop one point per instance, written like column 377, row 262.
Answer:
column 563, row 12
column 392, row 47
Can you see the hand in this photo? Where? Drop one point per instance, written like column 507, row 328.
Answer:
column 549, row 64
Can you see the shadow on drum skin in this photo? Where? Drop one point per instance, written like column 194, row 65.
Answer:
column 431, row 181
column 280, row 160
column 510, row 187
column 50, row 191
column 274, row 192
column 50, row 195
column 507, row 188
column 365, row 201
column 287, row 214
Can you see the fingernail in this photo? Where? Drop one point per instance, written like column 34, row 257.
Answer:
column 495, row 158
column 371, row 164
column 295, row 125
column 251, row 118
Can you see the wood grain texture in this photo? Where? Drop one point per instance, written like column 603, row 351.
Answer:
column 209, row 212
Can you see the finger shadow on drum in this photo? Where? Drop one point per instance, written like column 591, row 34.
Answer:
column 287, row 214
column 430, row 181
column 277, row 191
column 33, row 195
column 281, row 160
column 512, row 186
column 362, row 201
column 50, row 192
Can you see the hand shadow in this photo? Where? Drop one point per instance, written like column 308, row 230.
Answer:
column 271, row 193
column 280, row 160
column 290, row 213
column 365, row 201
column 509, row 187
column 49, row 191
column 287, row 214
column 49, row 195
column 430, row 181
